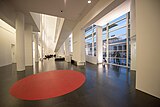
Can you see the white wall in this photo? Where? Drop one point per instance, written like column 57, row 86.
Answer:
column 148, row 46
column 36, row 17
column 7, row 37
column 91, row 59
column 61, row 51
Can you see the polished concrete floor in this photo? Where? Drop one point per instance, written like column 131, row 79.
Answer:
column 105, row 86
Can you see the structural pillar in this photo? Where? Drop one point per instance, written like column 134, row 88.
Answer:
column 20, row 50
column 133, row 34
column 36, row 47
column 67, row 52
column 41, row 38
column 28, row 45
column 99, row 44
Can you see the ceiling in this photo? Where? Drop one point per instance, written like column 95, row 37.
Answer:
column 72, row 10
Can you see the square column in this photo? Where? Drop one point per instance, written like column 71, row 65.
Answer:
column 20, row 51
column 99, row 44
column 28, row 45
column 36, row 46
column 133, row 34
column 67, row 51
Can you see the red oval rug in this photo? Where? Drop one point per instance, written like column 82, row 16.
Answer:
column 47, row 85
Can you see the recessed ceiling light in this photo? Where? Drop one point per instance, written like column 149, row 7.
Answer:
column 89, row 1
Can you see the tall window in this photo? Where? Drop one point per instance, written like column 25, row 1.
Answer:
column 118, row 41
column 104, row 41
column 90, row 40
column 94, row 40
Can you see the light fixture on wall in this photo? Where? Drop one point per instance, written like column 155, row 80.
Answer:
column 89, row 1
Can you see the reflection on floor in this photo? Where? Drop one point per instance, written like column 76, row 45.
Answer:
column 105, row 86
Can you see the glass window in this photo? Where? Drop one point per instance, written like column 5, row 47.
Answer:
column 94, row 38
column 117, row 31
column 88, row 45
column 104, row 40
column 90, row 40
column 120, row 23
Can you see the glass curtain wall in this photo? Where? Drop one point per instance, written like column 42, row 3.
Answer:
column 118, row 37
column 116, row 41
column 104, row 41
column 90, row 40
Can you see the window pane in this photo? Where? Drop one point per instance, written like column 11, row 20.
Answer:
column 117, row 32
column 118, row 24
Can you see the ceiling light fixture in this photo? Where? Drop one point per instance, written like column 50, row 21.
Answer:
column 89, row 1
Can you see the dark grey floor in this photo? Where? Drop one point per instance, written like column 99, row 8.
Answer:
column 105, row 86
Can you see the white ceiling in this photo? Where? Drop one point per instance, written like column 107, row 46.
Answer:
column 73, row 11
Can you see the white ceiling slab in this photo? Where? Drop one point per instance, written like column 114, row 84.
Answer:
column 71, row 10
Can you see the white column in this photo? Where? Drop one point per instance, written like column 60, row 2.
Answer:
column 99, row 44
column 28, row 45
column 67, row 51
column 133, row 34
column 36, row 46
column 20, row 51
column 82, row 49
column 41, row 38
